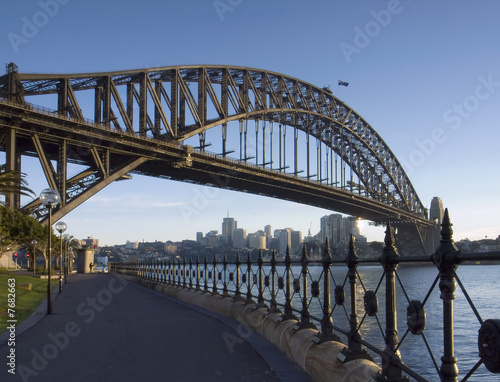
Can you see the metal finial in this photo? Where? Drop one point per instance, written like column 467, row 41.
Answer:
column 446, row 230
column 260, row 260
column 304, row 259
column 389, row 235
column 273, row 258
column 351, row 256
column 326, row 251
column 288, row 259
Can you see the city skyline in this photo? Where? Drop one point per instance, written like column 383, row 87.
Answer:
column 431, row 93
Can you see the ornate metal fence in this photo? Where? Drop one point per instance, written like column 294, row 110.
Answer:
column 311, row 285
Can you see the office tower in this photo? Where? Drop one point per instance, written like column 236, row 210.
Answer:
column 240, row 238
column 228, row 227
column 436, row 213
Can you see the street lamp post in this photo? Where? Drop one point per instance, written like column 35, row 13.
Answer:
column 50, row 198
column 66, row 258
column 61, row 227
column 34, row 243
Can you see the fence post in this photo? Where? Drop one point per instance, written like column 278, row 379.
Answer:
column 190, row 273
column 305, row 315
column 156, row 268
column 389, row 259
column 205, row 287
column 197, row 271
column 249, row 299
column 237, row 293
column 446, row 262
column 260, row 299
column 225, row 290
column 184, row 271
column 171, row 279
column 288, row 314
column 326, row 333
column 274, row 303
column 354, row 350
column 179, row 284
column 215, row 278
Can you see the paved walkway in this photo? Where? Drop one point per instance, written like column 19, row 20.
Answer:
column 106, row 329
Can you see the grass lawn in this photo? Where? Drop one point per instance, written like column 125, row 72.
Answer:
column 26, row 300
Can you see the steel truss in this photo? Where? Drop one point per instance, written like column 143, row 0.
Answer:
column 171, row 105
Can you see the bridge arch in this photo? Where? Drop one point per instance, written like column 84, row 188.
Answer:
column 179, row 103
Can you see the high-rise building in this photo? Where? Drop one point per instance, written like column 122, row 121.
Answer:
column 436, row 213
column 240, row 238
column 332, row 228
column 268, row 229
column 228, row 227
column 284, row 240
column 295, row 242
column 199, row 237
column 338, row 230
column 257, row 240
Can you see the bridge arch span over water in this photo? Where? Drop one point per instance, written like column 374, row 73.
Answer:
column 239, row 128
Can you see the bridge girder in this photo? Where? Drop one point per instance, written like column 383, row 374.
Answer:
column 177, row 103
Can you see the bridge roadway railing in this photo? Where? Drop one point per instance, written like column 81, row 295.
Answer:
column 279, row 285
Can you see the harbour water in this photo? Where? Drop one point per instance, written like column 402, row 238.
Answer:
column 414, row 282
column 481, row 283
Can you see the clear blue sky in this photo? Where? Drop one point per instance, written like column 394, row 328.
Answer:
column 424, row 74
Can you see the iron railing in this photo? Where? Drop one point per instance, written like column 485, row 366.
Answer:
column 278, row 285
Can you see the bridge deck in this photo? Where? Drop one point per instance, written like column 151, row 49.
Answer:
column 105, row 329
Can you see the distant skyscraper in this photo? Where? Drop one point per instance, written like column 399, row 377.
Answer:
column 257, row 240
column 228, row 227
column 295, row 242
column 268, row 230
column 284, row 240
column 338, row 229
column 240, row 238
column 437, row 209
column 436, row 213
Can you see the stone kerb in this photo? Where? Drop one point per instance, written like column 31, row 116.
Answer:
column 319, row 361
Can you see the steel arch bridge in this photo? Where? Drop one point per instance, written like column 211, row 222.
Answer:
column 160, row 121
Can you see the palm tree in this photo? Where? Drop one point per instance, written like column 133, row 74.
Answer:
column 13, row 182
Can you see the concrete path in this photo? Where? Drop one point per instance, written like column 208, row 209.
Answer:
column 106, row 329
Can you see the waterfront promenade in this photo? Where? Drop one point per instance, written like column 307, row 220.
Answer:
column 104, row 328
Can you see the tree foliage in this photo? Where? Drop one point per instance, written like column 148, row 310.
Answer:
column 13, row 182
column 18, row 230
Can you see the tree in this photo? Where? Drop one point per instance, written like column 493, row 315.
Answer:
column 19, row 230
column 13, row 182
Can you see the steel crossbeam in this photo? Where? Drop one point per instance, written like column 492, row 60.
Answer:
column 176, row 104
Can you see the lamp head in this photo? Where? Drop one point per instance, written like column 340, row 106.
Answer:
column 50, row 197
column 61, row 227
